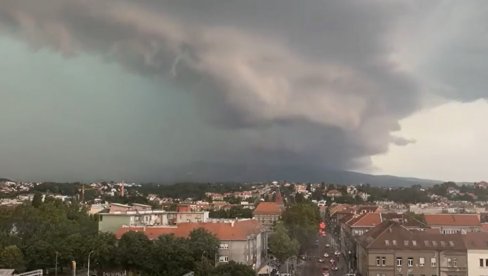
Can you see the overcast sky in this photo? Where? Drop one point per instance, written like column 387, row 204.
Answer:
column 162, row 90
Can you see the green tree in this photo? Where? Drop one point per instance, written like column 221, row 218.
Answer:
column 281, row 245
column 105, row 250
column 203, row 244
column 40, row 255
column 134, row 247
column 302, row 221
column 233, row 269
column 37, row 200
column 171, row 256
column 12, row 257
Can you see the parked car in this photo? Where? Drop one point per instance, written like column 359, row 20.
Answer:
column 326, row 255
column 327, row 245
column 337, row 253
column 321, row 260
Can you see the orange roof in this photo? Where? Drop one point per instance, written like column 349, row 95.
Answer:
column 453, row 219
column 268, row 208
column 340, row 208
column 225, row 231
column 367, row 220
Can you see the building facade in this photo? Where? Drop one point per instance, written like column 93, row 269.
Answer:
column 390, row 249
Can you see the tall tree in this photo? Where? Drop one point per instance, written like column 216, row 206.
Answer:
column 171, row 256
column 281, row 245
column 204, row 244
column 134, row 247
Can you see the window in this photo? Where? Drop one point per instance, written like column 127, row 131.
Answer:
column 383, row 261
column 377, row 261
column 449, row 262
column 387, row 242
column 405, row 243
column 451, row 243
column 410, row 262
column 224, row 246
column 481, row 262
column 399, row 261
column 223, row 259
column 434, row 243
column 414, row 243
column 454, row 262
column 433, row 262
column 486, row 262
column 421, row 261
column 394, row 242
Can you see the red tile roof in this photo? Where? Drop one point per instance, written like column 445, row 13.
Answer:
column 453, row 219
column 225, row 231
column 367, row 220
column 268, row 208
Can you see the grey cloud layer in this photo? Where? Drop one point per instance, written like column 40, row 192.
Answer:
column 304, row 84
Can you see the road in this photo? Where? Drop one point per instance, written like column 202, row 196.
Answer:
column 311, row 267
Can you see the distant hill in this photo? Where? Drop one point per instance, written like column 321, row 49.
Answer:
column 250, row 173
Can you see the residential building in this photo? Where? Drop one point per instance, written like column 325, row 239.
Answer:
column 454, row 223
column 268, row 213
column 110, row 222
column 391, row 249
column 477, row 252
column 242, row 241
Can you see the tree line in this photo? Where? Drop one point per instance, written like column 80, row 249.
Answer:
column 35, row 235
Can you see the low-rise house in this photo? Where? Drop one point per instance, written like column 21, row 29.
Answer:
column 391, row 249
column 454, row 223
column 242, row 241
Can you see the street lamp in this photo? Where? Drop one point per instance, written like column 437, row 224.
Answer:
column 56, row 264
column 349, row 261
column 88, row 272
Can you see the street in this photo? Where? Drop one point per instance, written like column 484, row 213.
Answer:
column 312, row 266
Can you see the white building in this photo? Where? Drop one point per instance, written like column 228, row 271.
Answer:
column 477, row 250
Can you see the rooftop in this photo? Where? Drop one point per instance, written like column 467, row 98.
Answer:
column 453, row 219
column 268, row 208
column 233, row 230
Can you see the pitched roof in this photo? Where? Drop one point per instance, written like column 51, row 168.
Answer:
column 340, row 208
column 238, row 230
column 391, row 235
column 476, row 240
column 453, row 219
column 268, row 208
column 366, row 220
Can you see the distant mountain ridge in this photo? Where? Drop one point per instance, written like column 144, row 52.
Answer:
column 250, row 173
column 233, row 174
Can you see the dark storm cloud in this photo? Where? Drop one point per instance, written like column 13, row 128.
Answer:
column 304, row 84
